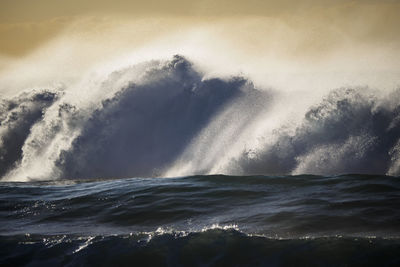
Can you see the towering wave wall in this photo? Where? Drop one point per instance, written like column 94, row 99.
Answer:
column 165, row 118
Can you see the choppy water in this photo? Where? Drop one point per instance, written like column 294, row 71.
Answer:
column 203, row 220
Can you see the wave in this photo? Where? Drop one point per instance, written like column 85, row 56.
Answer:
column 350, row 131
column 165, row 118
column 17, row 117
column 287, row 206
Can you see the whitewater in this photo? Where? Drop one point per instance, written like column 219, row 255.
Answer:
column 165, row 118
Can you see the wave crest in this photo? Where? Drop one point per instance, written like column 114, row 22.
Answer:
column 164, row 118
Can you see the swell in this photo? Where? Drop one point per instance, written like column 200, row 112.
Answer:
column 291, row 207
column 164, row 118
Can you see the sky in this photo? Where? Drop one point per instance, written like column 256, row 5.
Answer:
column 26, row 24
column 285, row 35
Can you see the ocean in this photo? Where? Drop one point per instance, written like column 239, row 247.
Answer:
column 211, row 220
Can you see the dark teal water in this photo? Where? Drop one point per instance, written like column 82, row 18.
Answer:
column 348, row 220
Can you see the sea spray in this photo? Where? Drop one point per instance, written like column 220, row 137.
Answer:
column 165, row 118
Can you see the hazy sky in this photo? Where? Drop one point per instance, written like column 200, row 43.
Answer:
column 313, row 25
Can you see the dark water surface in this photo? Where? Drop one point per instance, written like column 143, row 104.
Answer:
column 348, row 220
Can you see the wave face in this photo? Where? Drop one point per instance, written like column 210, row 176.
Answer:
column 164, row 118
column 202, row 220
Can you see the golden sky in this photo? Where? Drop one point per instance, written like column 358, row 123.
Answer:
column 60, row 40
column 38, row 10
column 295, row 28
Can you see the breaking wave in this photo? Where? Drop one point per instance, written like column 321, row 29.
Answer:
column 165, row 118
